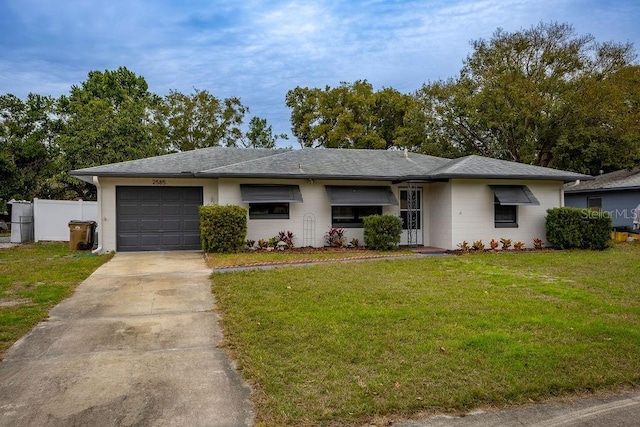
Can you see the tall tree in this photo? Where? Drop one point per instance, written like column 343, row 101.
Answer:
column 201, row 120
column 607, row 131
column 27, row 134
column 111, row 117
column 352, row 115
column 536, row 96
column 260, row 134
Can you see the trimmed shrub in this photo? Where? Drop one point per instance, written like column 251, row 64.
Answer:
column 382, row 232
column 223, row 229
column 574, row 228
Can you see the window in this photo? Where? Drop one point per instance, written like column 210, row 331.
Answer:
column 352, row 216
column 505, row 216
column 269, row 211
column 506, row 199
column 594, row 204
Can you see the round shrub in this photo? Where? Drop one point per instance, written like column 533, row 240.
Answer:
column 382, row 232
column 223, row 229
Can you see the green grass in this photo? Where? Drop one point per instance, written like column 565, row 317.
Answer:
column 338, row 344
column 34, row 278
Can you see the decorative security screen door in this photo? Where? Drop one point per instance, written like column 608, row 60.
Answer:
column 411, row 214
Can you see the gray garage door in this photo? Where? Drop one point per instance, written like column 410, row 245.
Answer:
column 158, row 218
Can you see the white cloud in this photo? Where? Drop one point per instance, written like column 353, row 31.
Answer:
column 259, row 49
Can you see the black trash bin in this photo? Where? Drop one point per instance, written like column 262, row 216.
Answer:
column 81, row 235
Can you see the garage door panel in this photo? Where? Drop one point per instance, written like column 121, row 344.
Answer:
column 171, row 225
column 150, row 225
column 172, row 240
column 150, row 241
column 128, row 225
column 173, row 193
column 129, row 208
column 173, row 209
column 192, row 240
column 149, row 209
column 193, row 198
column 190, row 211
column 128, row 194
column 192, row 226
column 150, row 193
column 128, row 242
column 158, row 218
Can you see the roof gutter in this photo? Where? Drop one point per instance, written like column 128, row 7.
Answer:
column 298, row 176
column 136, row 175
column 600, row 189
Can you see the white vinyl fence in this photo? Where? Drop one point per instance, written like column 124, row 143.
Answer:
column 51, row 217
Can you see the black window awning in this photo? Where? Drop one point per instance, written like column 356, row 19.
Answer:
column 514, row 195
column 257, row 193
column 360, row 196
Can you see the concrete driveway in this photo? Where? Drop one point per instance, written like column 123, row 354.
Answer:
column 135, row 345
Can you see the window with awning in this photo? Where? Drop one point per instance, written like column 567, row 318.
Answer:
column 514, row 195
column 507, row 198
column 350, row 204
column 269, row 201
column 257, row 193
column 361, row 195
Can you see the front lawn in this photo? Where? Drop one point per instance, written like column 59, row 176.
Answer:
column 34, row 278
column 337, row 344
column 296, row 256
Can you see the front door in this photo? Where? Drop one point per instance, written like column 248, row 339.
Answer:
column 411, row 214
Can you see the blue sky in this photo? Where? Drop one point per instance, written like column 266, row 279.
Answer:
column 259, row 49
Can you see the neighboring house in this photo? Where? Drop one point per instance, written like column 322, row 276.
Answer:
column 151, row 204
column 617, row 193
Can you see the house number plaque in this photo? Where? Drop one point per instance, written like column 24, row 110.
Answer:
column 159, row 182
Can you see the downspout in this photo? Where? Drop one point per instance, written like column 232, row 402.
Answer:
column 98, row 250
column 575, row 184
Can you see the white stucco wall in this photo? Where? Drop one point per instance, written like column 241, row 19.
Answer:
column 472, row 211
column 107, row 201
column 315, row 202
column 439, row 215
column 452, row 211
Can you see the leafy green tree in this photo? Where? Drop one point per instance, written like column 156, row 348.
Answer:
column 539, row 96
column 260, row 134
column 111, row 117
column 201, row 120
column 606, row 132
column 27, row 143
column 353, row 115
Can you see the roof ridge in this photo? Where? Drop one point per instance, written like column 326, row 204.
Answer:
column 277, row 152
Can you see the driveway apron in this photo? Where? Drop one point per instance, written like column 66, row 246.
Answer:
column 135, row 345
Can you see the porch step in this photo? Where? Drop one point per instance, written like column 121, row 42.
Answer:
column 426, row 250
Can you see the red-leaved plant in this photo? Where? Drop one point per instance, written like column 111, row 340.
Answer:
column 334, row 237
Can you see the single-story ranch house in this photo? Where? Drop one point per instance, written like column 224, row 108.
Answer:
column 151, row 204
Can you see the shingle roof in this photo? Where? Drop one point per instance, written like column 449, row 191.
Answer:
column 332, row 163
column 486, row 167
column 218, row 162
column 186, row 162
column 618, row 180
